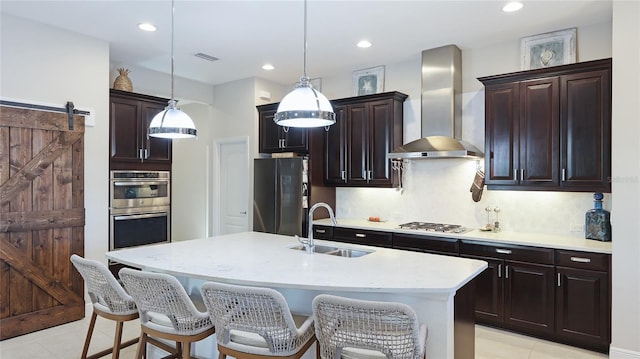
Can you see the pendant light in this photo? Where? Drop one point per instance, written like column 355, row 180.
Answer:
column 172, row 123
column 304, row 106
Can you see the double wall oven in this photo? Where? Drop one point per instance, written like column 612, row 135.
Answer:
column 139, row 208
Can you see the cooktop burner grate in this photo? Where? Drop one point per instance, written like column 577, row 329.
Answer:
column 434, row 227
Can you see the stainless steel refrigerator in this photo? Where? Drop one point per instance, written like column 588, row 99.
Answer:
column 280, row 195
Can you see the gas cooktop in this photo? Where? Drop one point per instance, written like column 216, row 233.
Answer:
column 434, row 227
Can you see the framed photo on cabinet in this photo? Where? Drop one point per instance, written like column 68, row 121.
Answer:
column 548, row 49
column 368, row 81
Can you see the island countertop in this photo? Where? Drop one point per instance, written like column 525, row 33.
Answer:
column 254, row 258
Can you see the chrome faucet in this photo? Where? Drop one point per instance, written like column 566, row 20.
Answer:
column 308, row 243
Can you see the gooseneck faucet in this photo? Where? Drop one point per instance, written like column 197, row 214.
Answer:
column 308, row 243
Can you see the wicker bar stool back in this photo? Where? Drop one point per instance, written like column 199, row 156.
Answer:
column 109, row 300
column 166, row 312
column 254, row 322
column 355, row 329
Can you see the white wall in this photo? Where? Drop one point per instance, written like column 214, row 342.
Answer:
column 625, row 214
column 53, row 66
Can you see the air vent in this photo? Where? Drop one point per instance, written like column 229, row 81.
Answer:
column 206, row 57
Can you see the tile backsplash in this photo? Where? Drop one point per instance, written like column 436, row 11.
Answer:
column 438, row 191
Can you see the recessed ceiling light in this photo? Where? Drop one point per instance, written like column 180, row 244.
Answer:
column 267, row 67
column 512, row 6
column 145, row 26
column 364, row 44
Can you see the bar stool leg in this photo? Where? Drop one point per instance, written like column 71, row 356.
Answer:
column 87, row 341
column 142, row 345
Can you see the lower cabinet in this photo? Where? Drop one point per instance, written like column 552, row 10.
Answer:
column 583, row 303
column 426, row 244
column 517, row 290
column 362, row 236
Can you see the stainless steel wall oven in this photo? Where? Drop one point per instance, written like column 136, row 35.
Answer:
column 139, row 208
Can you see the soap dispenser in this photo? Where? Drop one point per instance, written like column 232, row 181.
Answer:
column 597, row 222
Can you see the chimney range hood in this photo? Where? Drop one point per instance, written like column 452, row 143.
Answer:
column 441, row 109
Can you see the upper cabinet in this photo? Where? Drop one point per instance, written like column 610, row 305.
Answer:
column 130, row 147
column 356, row 146
column 275, row 138
column 549, row 129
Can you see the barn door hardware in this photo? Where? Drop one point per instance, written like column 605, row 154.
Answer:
column 68, row 109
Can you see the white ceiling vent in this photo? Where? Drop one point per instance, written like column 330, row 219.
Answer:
column 206, row 57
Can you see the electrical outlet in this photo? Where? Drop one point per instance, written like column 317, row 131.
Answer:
column 576, row 227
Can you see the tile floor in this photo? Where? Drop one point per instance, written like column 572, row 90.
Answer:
column 66, row 341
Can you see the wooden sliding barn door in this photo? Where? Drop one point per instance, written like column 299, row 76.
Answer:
column 41, row 219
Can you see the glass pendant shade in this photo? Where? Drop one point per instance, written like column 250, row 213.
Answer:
column 172, row 123
column 305, row 107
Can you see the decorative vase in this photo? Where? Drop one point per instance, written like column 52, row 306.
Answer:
column 598, row 221
column 123, row 82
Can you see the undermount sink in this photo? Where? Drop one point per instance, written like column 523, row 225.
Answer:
column 335, row 251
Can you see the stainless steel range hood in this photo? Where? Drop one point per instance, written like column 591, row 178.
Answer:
column 441, row 109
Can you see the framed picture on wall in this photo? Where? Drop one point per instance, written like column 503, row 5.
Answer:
column 368, row 81
column 548, row 49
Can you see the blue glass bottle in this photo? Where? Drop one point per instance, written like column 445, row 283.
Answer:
column 597, row 222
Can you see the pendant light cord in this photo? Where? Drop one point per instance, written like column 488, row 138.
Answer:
column 304, row 60
column 173, row 10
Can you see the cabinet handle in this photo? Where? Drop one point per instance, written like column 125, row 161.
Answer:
column 558, row 279
column 522, row 174
column 360, row 235
column 139, row 153
column 506, row 271
column 146, row 153
column 321, row 231
column 369, row 175
column 499, row 270
column 564, row 177
column 581, row 260
column 343, row 175
column 503, row 251
column 515, row 175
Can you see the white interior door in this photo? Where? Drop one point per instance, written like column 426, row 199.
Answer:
column 233, row 180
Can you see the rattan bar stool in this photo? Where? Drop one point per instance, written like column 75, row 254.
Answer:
column 166, row 312
column 356, row 329
column 109, row 300
column 256, row 323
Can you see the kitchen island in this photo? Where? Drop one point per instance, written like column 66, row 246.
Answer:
column 439, row 288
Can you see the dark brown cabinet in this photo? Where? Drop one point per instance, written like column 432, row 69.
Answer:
column 130, row 147
column 362, row 236
column 426, row 244
column 583, row 304
column 366, row 129
column 549, row 129
column 274, row 138
column 517, row 290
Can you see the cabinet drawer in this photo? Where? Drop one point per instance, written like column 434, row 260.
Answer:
column 361, row 236
column 322, row 232
column 583, row 260
column 508, row 251
column 428, row 244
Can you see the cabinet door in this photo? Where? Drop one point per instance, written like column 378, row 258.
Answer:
column 539, row 132
column 582, row 306
column 489, row 291
column 335, row 149
column 380, row 133
column 502, row 133
column 295, row 139
column 529, row 296
column 586, row 131
column 357, row 150
column 157, row 149
column 270, row 139
column 125, row 132
column 361, row 236
column 426, row 244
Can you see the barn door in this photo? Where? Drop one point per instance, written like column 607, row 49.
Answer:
column 41, row 219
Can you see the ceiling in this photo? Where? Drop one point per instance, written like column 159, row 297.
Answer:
column 244, row 35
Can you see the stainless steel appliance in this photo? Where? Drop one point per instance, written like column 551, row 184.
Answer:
column 434, row 227
column 280, row 195
column 139, row 212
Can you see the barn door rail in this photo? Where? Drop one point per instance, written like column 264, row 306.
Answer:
column 69, row 109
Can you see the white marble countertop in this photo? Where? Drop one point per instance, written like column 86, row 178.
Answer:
column 254, row 258
column 530, row 239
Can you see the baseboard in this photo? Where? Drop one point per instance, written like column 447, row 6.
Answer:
column 619, row 353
